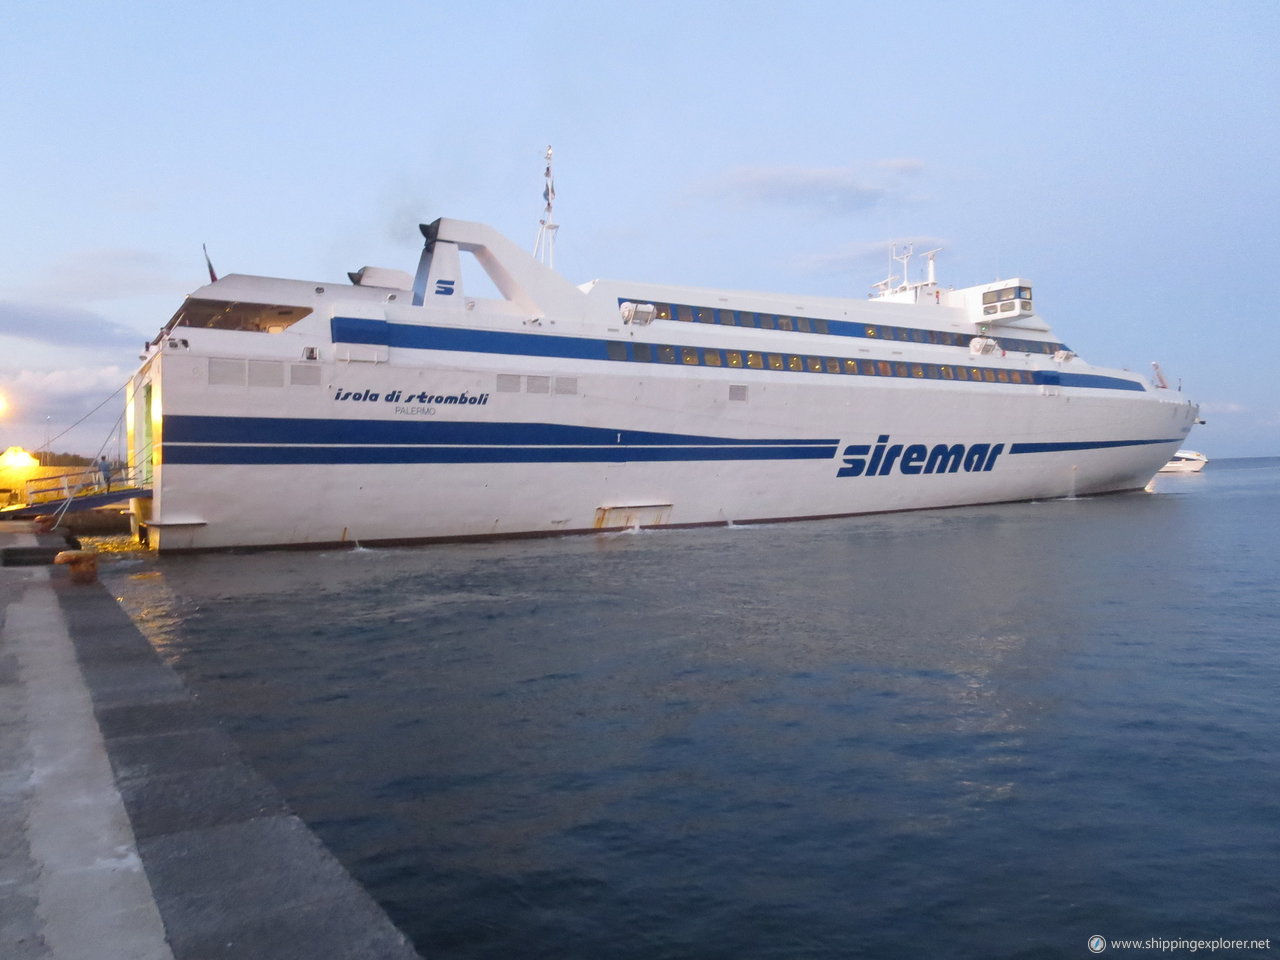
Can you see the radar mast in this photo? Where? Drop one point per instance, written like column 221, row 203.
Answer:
column 545, row 246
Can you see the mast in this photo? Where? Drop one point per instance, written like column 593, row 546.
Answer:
column 545, row 246
column 903, row 258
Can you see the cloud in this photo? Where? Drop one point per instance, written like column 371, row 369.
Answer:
column 831, row 189
column 62, row 326
column 844, row 260
column 44, row 404
column 105, row 274
column 907, row 166
column 79, row 389
column 857, row 257
column 1222, row 408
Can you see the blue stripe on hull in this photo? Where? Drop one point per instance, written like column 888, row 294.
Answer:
column 296, row 440
column 232, row 454
column 424, row 337
column 310, row 431
column 1066, row 446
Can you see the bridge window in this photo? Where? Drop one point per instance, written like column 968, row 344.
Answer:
column 225, row 315
column 1006, row 300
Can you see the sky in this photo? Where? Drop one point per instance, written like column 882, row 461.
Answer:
column 1120, row 155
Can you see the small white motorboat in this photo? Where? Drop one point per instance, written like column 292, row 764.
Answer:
column 1185, row 461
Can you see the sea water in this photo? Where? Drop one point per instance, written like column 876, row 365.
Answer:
column 978, row 732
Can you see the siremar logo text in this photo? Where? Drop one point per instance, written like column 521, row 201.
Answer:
column 863, row 460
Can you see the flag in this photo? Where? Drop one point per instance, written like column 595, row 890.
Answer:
column 213, row 277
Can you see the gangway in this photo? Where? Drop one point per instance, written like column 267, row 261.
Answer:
column 73, row 493
column 84, row 501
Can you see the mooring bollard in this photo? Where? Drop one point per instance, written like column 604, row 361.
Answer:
column 44, row 523
column 83, row 564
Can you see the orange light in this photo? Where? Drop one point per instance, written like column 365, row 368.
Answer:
column 15, row 458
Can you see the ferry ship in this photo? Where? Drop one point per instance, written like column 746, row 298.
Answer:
column 399, row 408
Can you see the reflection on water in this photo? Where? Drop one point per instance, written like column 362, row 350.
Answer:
column 993, row 730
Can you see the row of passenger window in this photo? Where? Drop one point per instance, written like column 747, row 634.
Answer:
column 739, row 318
column 709, row 357
column 844, row 328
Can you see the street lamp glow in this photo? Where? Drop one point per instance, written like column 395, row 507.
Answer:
column 15, row 458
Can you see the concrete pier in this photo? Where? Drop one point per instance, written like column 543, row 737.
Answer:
column 130, row 824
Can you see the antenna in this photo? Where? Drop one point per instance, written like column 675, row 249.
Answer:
column 545, row 246
column 904, row 258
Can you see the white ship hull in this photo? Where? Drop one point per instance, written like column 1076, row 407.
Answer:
column 370, row 421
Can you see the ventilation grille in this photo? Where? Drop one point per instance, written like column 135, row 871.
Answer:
column 226, row 373
column 304, row 375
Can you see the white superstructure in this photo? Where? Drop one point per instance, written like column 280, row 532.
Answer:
column 403, row 408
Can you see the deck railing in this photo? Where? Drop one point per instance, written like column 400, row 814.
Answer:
column 78, row 481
